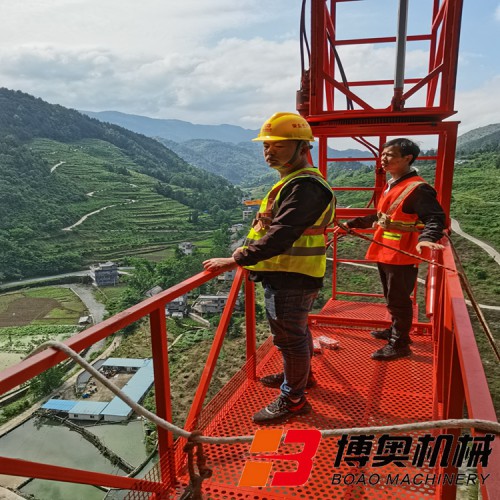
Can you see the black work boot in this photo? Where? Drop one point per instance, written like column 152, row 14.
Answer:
column 382, row 334
column 390, row 352
column 398, row 347
column 385, row 335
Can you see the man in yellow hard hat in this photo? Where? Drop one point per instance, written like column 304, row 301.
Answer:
column 285, row 250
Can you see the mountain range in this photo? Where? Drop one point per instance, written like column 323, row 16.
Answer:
column 174, row 130
column 74, row 190
column 480, row 139
column 226, row 150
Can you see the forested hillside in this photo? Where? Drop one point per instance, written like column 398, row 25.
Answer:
column 480, row 139
column 226, row 150
column 236, row 162
column 58, row 166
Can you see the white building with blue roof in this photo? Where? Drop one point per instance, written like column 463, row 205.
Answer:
column 87, row 410
column 115, row 410
column 135, row 389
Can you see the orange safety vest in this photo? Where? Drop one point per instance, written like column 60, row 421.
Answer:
column 396, row 228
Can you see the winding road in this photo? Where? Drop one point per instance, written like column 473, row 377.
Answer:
column 57, row 165
column 455, row 226
column 85, row 217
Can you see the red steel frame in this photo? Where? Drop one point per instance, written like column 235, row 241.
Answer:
column 316, row 99
column 331, row 119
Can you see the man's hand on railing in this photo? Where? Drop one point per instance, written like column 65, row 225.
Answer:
column 428, row 244
column 218, row 263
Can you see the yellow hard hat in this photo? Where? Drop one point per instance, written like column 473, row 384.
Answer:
column 285, row 127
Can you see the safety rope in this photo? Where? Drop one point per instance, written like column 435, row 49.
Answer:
column 193, row 490
column 482, row 426
column 461, row 275
column 348, row 230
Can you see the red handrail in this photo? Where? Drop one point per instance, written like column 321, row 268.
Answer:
column 459, row 376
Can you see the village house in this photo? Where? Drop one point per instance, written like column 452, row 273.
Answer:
column 187, row 248
column 177, row 308
column 235, row 228
column 248, row 214
column 210, row 304
column 227, row 276
column 104, row 274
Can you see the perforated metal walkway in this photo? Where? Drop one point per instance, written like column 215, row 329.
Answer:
column 353, row 391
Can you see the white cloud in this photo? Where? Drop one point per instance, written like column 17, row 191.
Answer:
column 223, row 61
column 162, row 59
column 497, row 13
column 154, row 26
column 236, row 81
column 479, row 107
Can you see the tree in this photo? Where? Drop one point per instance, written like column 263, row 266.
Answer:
column 193, row 218
column 47, row 381
column 220, row 242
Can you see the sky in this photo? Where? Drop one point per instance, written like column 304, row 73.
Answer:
column 220, row 61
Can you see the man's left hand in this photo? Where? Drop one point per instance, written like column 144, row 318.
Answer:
column 428, row 244
column 218, row 263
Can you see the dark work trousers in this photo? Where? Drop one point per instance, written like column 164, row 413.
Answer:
column 287, row 311
column 398, row 283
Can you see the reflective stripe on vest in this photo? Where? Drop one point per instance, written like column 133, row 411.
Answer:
column 391, row 236
column 307, row 254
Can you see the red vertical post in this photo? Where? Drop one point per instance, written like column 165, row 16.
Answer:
column 451, row 29
column 334, row 266
column 434, row 305
column 455, row 408
column 318, row 40
column 432, row 55
column 159, row 347
column 380, row 175
column 436, row 296
column 322, row 156
column 213, row 355
column 251, row 336
column 445, row 164
column 447, row 347
column 329, row 58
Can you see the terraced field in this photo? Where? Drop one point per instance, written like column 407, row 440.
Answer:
column 125, row 214
column 31, row 317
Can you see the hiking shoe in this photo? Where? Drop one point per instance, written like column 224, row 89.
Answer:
column 389, row 352
column 382, row 334
column 385, row 335
column 276, row 379
column 281, row 409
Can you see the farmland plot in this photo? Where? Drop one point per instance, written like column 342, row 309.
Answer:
column 30, row 317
